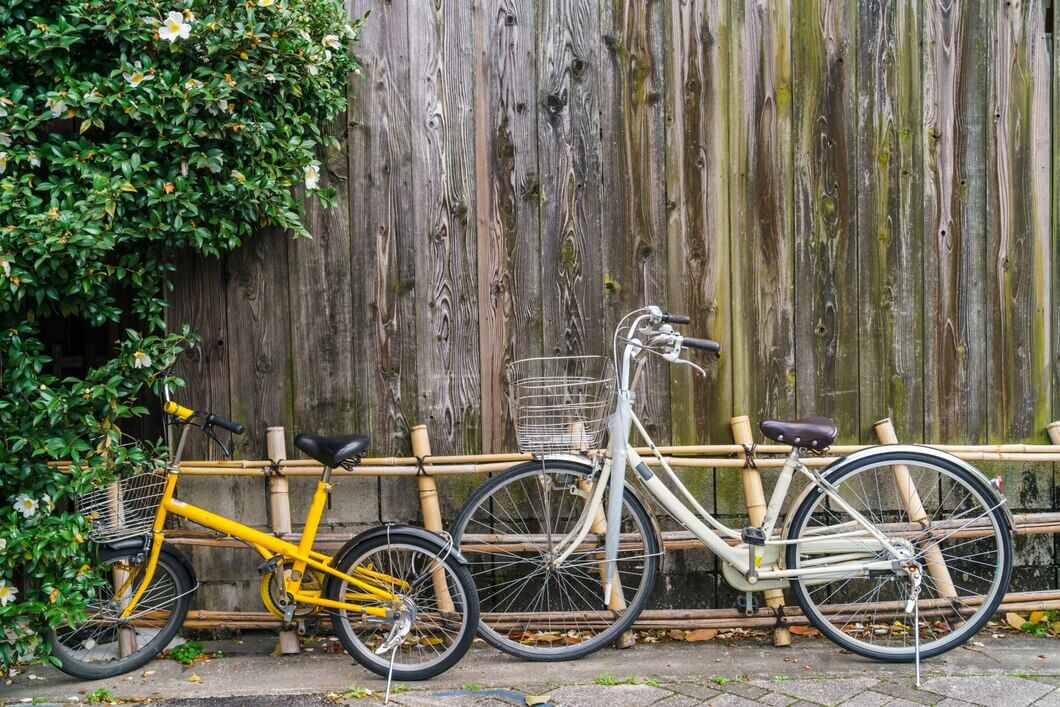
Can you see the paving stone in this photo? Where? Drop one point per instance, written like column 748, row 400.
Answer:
column 730, row 700
column 1050, row 700
column 822, row 692
column 989, row 691
column 869, row 699
column 743, row 689
column 953, row 702
column 906, row 693
column 678, row 700
column 775, row 698
column 899, row 702
column 702, row 693
column 616, row 696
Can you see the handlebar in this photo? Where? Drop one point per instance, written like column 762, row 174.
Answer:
column 177, row 410
column 676, row 318
column 701, row 344
column 233, row 427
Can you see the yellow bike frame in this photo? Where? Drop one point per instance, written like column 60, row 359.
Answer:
column 302, row 555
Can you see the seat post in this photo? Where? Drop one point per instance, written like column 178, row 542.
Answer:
column 326, row 477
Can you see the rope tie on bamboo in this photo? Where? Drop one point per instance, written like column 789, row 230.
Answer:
column 749, row 455
column 420, row 469
column 782, row 620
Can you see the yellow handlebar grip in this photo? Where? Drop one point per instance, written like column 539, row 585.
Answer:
column 178, row 410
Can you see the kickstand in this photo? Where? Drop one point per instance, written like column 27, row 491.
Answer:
column 390, row 675
column 916, row 640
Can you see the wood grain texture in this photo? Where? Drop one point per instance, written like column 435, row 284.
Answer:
column 633, row 242
column 441, row 49
column 760, row 208
column 1018, row 210
column 954, row 149
column 697, row 205
column 889, row 219
column 382, row 249
column 198, row 300
column 826, row 310
column 568, row 141
column 507, row 191
column 259, row 337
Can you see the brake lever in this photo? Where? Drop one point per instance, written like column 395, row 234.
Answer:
column 208, row 430
column 686, row 362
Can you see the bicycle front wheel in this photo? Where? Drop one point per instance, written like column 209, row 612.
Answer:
column 430, row 586
column 104, row 645
column 942, row 517
column 509, row 531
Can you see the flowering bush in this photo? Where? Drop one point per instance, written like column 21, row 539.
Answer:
column 129, row 129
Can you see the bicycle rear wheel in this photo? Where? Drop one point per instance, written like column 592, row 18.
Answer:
column 508, row 530
column 423, row 577
column 104, row 645
column 960, row 540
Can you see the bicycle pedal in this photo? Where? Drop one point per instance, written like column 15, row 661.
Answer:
column 747, row 603
column 753, row 536
column 270, row 565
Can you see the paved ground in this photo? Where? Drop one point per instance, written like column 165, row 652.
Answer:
column 1013, row 670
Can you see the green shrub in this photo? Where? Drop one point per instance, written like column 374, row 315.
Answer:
column 129, row 130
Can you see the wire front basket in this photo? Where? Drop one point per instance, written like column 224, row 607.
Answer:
column 560, row 404
column 124, row 508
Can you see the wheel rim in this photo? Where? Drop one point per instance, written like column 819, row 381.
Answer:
column 526, row 604
column 962, row 527
column 434, row 634
column 103, row 637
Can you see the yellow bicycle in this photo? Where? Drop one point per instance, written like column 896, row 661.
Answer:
column 401, row 599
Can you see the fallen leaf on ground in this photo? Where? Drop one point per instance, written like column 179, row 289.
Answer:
column 677, row 634
column 1037, row 616
column 194, row 678
column 805, row 631
column 701, row 634
column 532, row 700
column 1015, row 620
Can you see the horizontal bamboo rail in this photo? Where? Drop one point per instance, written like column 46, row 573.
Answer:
column 649, row 619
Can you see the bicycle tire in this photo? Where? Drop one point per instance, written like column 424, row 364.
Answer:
column 534, row 652
column 461, row 589
column 1001, row 559
column 172, row 577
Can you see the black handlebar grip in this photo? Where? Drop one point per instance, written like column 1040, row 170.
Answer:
column 233, row 427
column 702, row 344
column 676, row 318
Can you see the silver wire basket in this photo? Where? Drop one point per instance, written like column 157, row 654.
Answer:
column 123, row 508
column 560, row 404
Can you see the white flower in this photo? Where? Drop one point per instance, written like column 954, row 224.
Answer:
column 5, row 139
column 327, row 55
column 3, row 162
column 224, row 106
column 56, row 105
column 47, row 501
column 7, row 593
column 330, row 41
column 312, row 175
column 138, row 77
column 270, row 77
column 266, row 3
column 5, row 265
column 3, row 544
column 174, row 27
column 351, row 32
column 314, row 69
column 238, row 176
column 34, row 161
column 25, row 505
column 141, row 360
column 192, row 84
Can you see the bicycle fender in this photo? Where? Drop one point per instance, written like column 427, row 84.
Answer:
column 139, row 543
column 396, row 530
column 913, row 450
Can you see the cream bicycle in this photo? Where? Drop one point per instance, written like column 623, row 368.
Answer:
column 894, row 553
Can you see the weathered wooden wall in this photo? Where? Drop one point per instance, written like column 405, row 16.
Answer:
column 856, row 197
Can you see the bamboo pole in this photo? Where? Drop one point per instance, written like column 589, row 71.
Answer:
column 432, row 513
column 755, row 499
column 914, row 507
column 1053, row 430
column 280, row 515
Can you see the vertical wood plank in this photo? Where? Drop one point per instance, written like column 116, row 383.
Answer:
column 633, row 244
column 1018, row 210
column 1055, row 56
column 568, row 142
column 198, row 288
column 760, row 207
column 889, row 220
column 441, row 49
column 382, row 246
column 508, row 230
column 953, row 141
column 259, row 336
column 697, row 204
column 826, row 327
